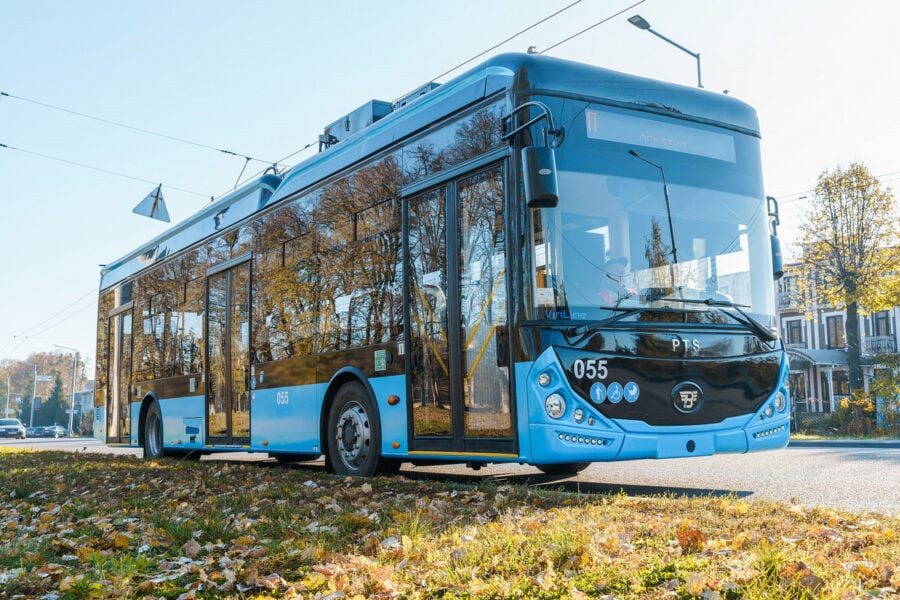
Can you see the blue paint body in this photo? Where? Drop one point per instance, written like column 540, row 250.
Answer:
column 279, row 422
column 286, row 426
column 183, row 422
column 547, row 440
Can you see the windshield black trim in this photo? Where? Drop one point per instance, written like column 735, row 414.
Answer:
column 663, row 111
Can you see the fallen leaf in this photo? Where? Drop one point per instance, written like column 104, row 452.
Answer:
column 191, row 548
column 690, row 538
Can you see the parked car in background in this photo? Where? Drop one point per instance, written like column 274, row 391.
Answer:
column 12, row 428
column 33, row 431
column 55, row 431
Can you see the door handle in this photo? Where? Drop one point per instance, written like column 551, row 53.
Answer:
column 502, row 346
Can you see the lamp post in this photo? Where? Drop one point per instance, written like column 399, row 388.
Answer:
column 641, row 23
column 74, row 369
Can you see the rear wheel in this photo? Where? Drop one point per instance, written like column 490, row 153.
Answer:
column 153, row 433
column 564, row 468
column 354, row 434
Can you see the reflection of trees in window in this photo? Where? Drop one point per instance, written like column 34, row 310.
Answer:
column 107, row 300
column 428, row 312
column 190, row 333
column 322, row 254
column 483, row 302
column 453, row 143
column 658, row 254
column 280, row 312
column 656, row 251
column 359, row 259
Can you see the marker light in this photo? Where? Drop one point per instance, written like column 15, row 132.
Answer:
column 544, row 379
column 578, row 415
column 780, row 401
column 555, row 405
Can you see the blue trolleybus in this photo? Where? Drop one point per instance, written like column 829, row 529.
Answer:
column 539, row 262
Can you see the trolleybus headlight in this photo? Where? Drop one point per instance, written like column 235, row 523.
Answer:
column 769, row 410
column 578, row 415
column 544, row 379
column 555, row 405
column 780, row 401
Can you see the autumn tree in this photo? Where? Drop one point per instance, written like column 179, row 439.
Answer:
column 53, row 411
column 851, row 256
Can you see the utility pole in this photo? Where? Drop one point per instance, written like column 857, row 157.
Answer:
column 33, row 396
column 71, row 410
column 6, row 413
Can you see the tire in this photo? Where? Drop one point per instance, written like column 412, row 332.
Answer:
column 353, row 436
column 153, row 433
column 564, row 468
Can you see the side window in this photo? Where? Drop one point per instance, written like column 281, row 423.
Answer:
column 190, row 328
column 103, row 350
column 358, row 259
column 454, row 143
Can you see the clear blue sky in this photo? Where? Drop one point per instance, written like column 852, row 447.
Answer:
column 263, row 79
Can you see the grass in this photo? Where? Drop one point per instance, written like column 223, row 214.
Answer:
column 91, row 526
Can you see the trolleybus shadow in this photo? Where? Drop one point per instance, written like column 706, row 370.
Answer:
column 567, row 483
column 572, row 484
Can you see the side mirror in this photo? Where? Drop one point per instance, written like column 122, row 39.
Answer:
column 777, row 259
column 774, row 222
column 539, row 166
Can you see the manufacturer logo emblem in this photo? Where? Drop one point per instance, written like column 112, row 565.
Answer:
column 687, row 397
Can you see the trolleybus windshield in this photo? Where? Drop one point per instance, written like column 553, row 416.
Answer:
column 652, row 210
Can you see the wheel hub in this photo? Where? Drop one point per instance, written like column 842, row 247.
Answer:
column 353, row 436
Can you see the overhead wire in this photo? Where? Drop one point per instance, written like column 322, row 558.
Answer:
column 27, row 338
column 23, row 335
column 480, row 54
column 132, row 127
column 515, row 35
column 99, row 169
column 801, row 195
column 586, row 29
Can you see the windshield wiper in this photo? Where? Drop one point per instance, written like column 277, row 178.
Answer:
column 625, row 311
column 580, row 330
column 761, row 331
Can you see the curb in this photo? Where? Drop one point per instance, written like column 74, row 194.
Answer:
column 844, row 444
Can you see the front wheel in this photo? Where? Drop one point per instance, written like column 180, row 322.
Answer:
column 564, row 468
column 153, row 433
column 353, row 434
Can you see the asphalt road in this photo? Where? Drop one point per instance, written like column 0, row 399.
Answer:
column 855, row 478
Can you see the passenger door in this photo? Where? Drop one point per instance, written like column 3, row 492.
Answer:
column 458, row 366
column 228, row 356
column 118, row 403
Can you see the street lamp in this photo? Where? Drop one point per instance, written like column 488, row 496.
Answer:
column 74, row 369
column 641, row 23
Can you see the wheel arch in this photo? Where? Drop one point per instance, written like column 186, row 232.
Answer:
column 149, row 398
column 342, row 376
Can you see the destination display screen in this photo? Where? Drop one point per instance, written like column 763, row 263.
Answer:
column 650, row 133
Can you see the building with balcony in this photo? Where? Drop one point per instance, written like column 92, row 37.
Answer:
column 817, row 347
